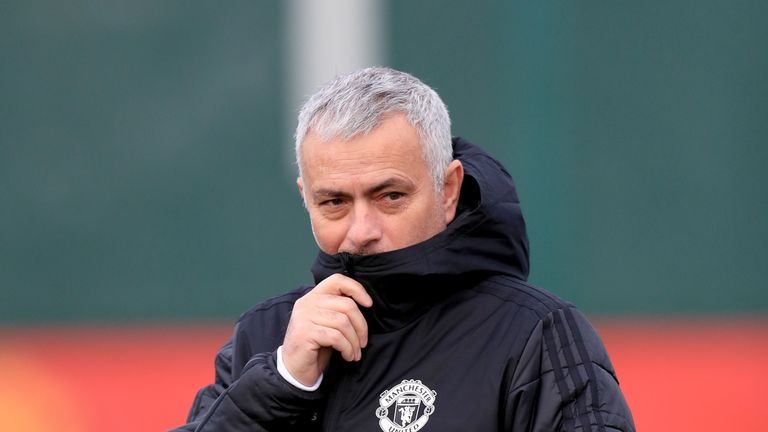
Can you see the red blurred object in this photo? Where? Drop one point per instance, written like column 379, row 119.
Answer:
column 706, row 375
column 695, row 375
column 140, row 378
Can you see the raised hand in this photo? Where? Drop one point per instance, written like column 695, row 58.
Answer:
column 327, row 318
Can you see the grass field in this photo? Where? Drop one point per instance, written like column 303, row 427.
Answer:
column 677, row 375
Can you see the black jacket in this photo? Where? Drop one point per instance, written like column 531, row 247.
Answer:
column 458, row 341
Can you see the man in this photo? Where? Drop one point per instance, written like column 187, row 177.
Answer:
column 420, row 318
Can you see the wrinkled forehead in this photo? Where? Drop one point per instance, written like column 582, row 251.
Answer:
column 394, row 144
column 325, row 130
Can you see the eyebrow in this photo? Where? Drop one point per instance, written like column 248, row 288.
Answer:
column 386, row 184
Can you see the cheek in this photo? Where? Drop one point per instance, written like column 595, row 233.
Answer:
column 434, row 219
column 328, row 234
column 416, row 225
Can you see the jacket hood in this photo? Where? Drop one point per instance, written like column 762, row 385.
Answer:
column 487, row 237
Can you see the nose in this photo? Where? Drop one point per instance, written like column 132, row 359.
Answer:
column 364, row 231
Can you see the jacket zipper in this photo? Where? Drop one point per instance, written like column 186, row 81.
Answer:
column 346, row 263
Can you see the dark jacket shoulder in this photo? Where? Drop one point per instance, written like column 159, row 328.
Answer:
column 262, row 328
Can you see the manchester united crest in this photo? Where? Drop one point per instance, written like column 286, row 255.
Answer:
column 406, row 407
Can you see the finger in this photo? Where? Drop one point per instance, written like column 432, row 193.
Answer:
column 341, row 322
column 338, row 284
column 349, row 308
column 330, row 337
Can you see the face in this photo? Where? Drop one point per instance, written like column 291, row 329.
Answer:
column 374, row 193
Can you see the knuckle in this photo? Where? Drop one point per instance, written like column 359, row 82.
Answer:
column 301, row 302
column 348, row 305
column 332, row 279
column 339, row 320
column 338, row 337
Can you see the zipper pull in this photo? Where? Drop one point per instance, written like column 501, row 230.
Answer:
column 346, row 264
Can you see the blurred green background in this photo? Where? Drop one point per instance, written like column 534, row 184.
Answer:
column 144, row 149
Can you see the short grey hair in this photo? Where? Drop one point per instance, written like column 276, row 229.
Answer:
column 358, row 102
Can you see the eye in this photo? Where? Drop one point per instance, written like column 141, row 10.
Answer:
column 393, row 196
column 333, row 202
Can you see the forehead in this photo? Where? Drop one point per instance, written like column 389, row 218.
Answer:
column 392, row 148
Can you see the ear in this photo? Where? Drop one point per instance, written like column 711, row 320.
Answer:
column 300, row 185
column 454, row 176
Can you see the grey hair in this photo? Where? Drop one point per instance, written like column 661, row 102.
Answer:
column 358, row 102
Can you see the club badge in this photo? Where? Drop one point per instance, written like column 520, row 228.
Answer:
column 406, row 407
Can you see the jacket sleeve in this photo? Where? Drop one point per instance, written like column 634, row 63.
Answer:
column 564, row 381
column 259, row 399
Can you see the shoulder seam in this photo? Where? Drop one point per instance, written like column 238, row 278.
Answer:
column 289, row 297
column 548, row 301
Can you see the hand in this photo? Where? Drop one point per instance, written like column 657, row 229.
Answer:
column 325, row 319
